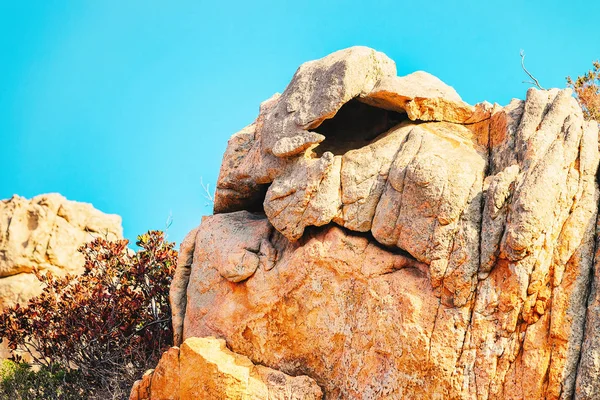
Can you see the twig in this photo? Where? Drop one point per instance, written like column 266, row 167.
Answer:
column 149, row 324
column 206, row 194
column 169, row 221
column 535, row 81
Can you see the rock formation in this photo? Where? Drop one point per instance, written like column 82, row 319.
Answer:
column 45, row 233
column 205, row 369
column 388, row 240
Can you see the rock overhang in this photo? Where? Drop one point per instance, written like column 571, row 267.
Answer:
column 492, row 210
column 342, row 141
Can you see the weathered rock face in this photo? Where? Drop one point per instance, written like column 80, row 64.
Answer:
column 383, row 237
column 45, row 233
column 205, row 369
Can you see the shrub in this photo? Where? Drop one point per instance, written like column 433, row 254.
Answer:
column 19, row 382
column 587, row 91
column 109, row 324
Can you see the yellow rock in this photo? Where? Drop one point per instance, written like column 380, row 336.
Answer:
column 203, row 368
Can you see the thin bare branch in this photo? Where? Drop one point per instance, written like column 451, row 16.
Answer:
column 207, row 195
column 535, row 81
column 169, row 221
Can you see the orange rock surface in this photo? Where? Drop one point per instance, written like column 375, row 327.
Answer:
column 205, row 369
column 386, row 239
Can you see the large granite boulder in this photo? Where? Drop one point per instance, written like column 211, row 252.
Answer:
column 388, row 240
column 45, row 233
column 203, row 368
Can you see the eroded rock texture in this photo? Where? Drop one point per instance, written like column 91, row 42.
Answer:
column 383, row 237
column 45, row 233
column 203, row 368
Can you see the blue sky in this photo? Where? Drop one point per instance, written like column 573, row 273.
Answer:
column 127, row 104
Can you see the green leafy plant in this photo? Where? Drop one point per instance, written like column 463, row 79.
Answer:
column 18, row 381
column 109, row 324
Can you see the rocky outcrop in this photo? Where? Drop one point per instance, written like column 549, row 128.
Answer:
column 383, row 237
column 45, row 233
column 203, row 368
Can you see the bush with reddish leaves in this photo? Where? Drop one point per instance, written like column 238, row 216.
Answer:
column 109, row 324
column 587, row 91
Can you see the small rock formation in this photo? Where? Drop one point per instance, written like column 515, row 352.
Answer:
column 388, row 240
column 45, row 233
column 205, row 369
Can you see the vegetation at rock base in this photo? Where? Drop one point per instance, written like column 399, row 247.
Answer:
column 19, row 382
column 587, row 91
column 98, row 332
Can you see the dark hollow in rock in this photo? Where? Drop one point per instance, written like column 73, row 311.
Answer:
column 255, row 202
column 355, row 125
